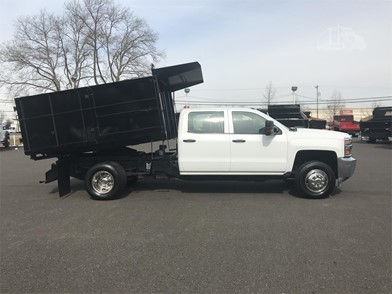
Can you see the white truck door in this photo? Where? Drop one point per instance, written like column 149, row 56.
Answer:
column 204, row 143
column 252, row 152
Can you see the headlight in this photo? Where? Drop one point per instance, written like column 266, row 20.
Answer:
column 348, row 145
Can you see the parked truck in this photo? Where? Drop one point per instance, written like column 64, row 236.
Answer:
column 314, row 122
column 289, row 115
column 89, row 130
column 345, row 123
column 378, row 126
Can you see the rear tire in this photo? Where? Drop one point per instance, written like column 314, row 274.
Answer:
column 315, row 179
column 105, row 180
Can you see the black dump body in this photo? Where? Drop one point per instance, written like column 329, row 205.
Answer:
column 105, row 116
column 382, row 118
column 315, row 123
column 379, row 126
column 288, row 114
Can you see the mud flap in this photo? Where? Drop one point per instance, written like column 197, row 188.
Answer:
column 63, row 177
column 60, row 172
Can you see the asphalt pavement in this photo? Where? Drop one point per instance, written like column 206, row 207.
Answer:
column 172, row 236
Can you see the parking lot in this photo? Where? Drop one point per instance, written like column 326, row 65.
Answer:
column 173, row 236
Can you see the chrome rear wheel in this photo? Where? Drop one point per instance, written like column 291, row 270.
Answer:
column 105, row 180
column 102, row 182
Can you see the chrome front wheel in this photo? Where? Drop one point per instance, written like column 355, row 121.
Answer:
column 315, row 179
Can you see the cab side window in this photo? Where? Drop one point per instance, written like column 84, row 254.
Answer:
column 247, row 122
column 206, row 122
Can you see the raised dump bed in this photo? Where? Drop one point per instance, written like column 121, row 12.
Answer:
column 105, row 116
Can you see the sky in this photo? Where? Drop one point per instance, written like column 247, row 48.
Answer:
column 243, row 45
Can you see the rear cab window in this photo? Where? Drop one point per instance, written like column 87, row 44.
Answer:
column 206, row 122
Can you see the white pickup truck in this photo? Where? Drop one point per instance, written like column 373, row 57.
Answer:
column 245, row 142
column 90, row 130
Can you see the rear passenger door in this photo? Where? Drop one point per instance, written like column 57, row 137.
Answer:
column 204, row 145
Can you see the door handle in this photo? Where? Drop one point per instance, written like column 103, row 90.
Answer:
column 189, row 141
column 239, row 141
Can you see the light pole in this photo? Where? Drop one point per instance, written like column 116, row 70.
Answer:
column 294, row 88
column 186, row 90
column 317, row 98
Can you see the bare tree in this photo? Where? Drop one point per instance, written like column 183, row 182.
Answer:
column 375, row 104
column 93, row 42
column 335, row 104
column 32, row 59
column 269, row 93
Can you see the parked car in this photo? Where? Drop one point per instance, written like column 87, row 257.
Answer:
column 5, row 136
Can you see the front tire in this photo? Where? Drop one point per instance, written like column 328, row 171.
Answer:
column 105, row 180
column 315, row 179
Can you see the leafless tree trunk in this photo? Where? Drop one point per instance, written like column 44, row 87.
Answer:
column 335, row 104
column 93, row 42
column 269, row 93
column 75, row 49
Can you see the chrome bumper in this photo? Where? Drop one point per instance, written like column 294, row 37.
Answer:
column 346, row 168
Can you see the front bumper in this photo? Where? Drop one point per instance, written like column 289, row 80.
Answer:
column 346, row 168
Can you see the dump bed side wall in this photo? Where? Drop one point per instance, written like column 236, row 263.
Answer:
column 91, row 118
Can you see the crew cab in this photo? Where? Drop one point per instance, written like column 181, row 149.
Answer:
column 245, row 142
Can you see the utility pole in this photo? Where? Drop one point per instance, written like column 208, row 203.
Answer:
column 317, row 98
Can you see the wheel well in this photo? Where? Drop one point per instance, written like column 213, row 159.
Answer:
column 328, row 157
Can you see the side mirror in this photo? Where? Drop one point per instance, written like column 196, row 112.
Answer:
column 269, row 128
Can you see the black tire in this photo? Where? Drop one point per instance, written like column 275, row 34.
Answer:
column 315, row 179
column 105, row 180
